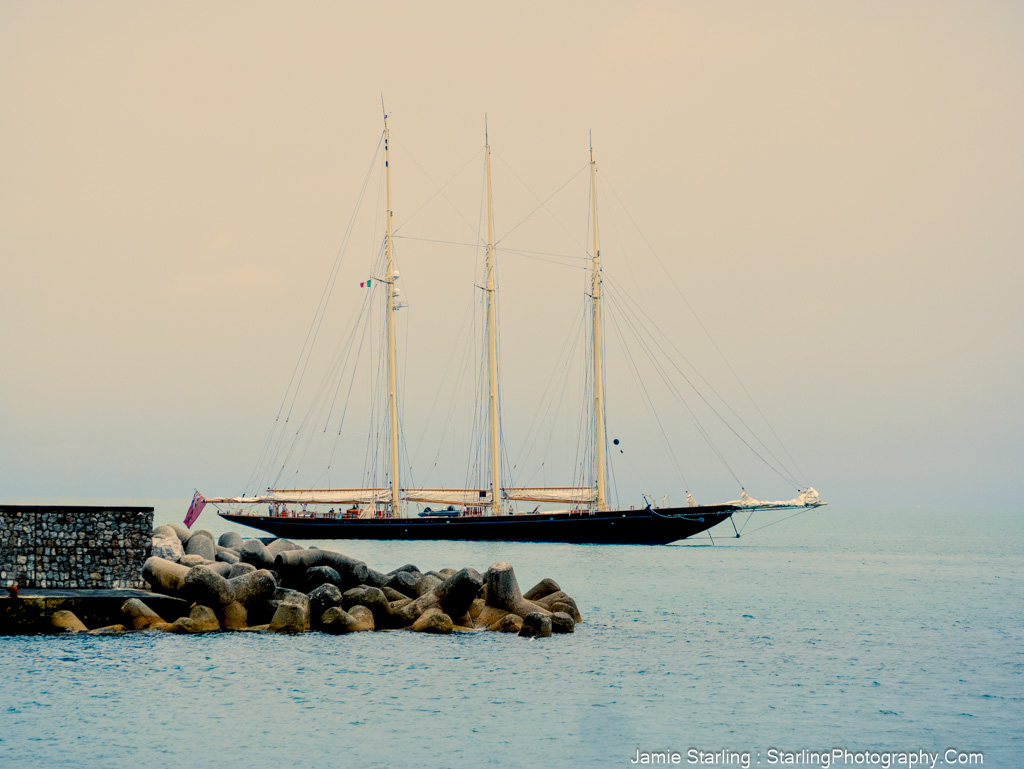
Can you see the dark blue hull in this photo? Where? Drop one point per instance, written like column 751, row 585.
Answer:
column 625, row 527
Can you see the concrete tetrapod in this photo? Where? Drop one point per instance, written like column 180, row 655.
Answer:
column 333, row 592
column 65, row 621
column 141, row 616
column 536, row 624
column 202, row 545
column 289, row 564
column 164, row 576
column 433, row 621
column 204, row 586
column 503, row 596
column 201, row 619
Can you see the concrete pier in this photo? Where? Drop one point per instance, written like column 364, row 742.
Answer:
column 30, row 611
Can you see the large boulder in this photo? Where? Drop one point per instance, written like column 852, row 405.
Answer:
column 168, row 546
column 227, row 555
column 192, row 559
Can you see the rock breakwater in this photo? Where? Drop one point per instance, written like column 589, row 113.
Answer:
column 280, row 587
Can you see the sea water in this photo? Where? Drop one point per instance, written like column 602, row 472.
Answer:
column 882, row 634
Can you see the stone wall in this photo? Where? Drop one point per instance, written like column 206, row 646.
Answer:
column 68, row 546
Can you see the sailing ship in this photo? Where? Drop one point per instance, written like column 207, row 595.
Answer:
column 489, row 512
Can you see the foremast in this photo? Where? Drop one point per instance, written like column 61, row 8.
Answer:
column 392, row 386
column 595, row 294
column 492, row 341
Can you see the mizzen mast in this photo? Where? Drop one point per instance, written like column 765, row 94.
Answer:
column 492, row 342
column 595, row 293
column 392, row 388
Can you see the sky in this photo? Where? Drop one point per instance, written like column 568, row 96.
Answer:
column 834, row 189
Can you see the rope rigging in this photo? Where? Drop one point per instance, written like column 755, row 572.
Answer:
column 704, row 328
column 296, row 442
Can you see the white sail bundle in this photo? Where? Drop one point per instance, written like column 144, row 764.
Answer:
column 583, row 495
column 314, row 497
column 460, row 497
column 807, row 498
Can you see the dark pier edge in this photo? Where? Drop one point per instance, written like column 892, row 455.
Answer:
column 30, row 610
column 56, row 556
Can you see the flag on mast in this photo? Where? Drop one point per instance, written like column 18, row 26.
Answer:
column 198, row 503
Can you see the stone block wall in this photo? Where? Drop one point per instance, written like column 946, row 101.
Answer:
column 70, row 546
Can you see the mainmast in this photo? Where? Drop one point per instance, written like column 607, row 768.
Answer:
column 390, row 281
column 595, row 293
column 492, row 342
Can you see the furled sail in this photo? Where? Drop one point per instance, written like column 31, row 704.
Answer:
column 461, row 497
column 313, row 497
column 583, row 495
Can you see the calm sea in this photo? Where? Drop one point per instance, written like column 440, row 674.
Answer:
column 874, row 631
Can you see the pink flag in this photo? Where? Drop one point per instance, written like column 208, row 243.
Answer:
column 198, row 503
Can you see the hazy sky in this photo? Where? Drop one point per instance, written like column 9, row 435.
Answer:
column 836, row 188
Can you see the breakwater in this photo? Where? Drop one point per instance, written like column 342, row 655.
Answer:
column 74, row 546
column 278, row 586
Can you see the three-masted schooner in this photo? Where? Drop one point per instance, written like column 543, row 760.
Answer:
column 480, row 513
